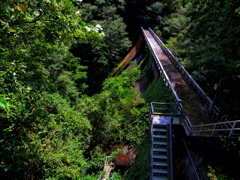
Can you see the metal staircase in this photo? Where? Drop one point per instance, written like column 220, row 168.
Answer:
column 161, row 168
column 161, row 141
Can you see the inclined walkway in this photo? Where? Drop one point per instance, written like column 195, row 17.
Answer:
column 200, row 116
column 192, row 106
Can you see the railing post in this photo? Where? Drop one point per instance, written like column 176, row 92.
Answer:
column 152, row 108
column 230, row 133
column 213, row 129
column 200, row 131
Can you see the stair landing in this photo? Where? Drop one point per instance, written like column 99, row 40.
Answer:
column 161, row 120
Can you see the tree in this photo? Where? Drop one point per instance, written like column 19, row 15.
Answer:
column 116, row 114
column 103, row 56
column 42, row 135
column 210, row 48
column 146, row 13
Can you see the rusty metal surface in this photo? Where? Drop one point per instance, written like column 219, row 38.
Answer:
column 129, row 57
column 124, row 160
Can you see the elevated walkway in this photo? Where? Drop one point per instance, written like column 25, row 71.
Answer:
column 191, row 105
column 198, row 114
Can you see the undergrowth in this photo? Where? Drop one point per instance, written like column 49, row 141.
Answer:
column 145, row 64
column 158, row 92
column 140, row 169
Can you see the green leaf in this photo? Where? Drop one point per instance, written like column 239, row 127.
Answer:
column 3, row 102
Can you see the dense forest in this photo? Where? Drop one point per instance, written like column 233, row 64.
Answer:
column 60, row 111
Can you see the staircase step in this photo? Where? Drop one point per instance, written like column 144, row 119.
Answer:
column 159, row 167
column 159, row 178
column 160, row 149
column 160, row 129
column 159, row 143
column 159, row 136
column 162, row 171
column 159, row 163
column 159, row 156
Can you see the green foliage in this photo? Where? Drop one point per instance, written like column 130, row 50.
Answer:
column 117, row 175
column 176, row 22
column 231, row 144
column 158, row 92
column 117, row 151
column 146, row 64
column 116, row 114
column 3, row 103
column 41, row 134
column 95, row 162
column 45, row 137
column 35, row 40
column 140, row 169
column 90, row 177
column 66, row 86
column 102, row 57
column 216, row 174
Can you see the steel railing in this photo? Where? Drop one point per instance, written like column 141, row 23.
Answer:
column 170, row 159
column 104, row 170
column 163, row 108
column 195, row 172
column 229, row 128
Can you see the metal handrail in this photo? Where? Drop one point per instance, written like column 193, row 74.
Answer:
column 191, row 160
column 163, row 106
column 102, row 174
column 170, row 159
column 229, row 126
